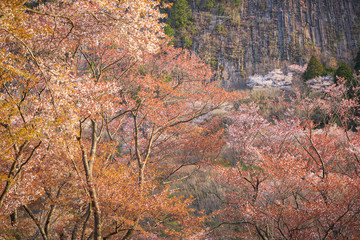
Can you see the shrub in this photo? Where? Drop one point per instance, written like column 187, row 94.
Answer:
column 314, row 69
column 343, row 71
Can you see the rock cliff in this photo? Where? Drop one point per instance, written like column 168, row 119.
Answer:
column 240, row 38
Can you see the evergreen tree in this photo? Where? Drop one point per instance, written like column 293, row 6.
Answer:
column 357, row 62
column 182, row 14
column 344, row 71
column 168, row 29
column 182, row 24
column 314, row 69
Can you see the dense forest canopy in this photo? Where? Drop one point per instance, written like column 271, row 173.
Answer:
column 108, row 131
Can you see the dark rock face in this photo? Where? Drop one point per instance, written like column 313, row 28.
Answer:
column 244, row 37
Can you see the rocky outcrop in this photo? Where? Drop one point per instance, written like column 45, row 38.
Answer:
column 242, row 37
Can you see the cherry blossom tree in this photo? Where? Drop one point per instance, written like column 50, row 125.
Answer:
column 291, row 179
column 90, row 100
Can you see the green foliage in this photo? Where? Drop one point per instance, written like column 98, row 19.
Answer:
column 180, row 25
column 169, row 31
column 187, row 42
column 235, row 18
column 213, row 62
column 210, row 4
column 237, row 2
column 351, row 82
column 330, row 70
column 182, row 14
column 357, row 62
column 221, row 10
column 220, row 29
column 343, row 71
column 314, row 69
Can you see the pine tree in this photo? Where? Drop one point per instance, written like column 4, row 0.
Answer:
column 182, row 24
column 182, row 14
column 314, row 69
